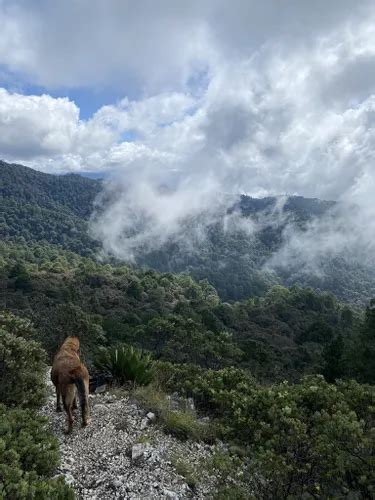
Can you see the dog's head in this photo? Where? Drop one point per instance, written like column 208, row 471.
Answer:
column 71, row 343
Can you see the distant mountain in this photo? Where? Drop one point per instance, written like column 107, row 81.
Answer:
column 35, row 206
column 39, row 207
column 69, row 192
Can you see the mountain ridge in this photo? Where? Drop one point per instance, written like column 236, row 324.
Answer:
column 36, row 207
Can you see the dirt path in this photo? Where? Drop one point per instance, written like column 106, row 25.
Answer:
column 97, row 460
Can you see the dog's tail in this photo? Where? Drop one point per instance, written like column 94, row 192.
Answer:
column 78, row 377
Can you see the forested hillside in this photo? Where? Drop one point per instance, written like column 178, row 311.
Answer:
column 38, row 207
column 41, row 207
column 284, row 334
column 265, row 370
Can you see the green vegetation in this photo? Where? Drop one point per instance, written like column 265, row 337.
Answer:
column 284, row 334
column 28, row 452
column 233, row 480
column 363, row 351
column 282, row 372
column 180, row 423
column 37, row 207
column 28, row 457
column 223, row 468
column 20, row 327
column 126, row 364
column 22, row 365
column 152, row 399
column 184, row 425
column 311, row 438
column 46, row 209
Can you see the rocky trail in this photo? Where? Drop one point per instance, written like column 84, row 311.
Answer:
column 124, row 453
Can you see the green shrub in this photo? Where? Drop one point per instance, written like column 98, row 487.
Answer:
column 28, row 457
column 311, row 439
column 60, row 320
column 20, row 327
column 22, row 371
column 230, row 473
column 127, row 363
column 177, row 377
column 232, row 492
column 206, row 386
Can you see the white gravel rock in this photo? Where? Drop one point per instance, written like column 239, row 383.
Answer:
column 138, row 452
column 96, row 461
column 170, row 494
column 145, row 423
column 151, row 416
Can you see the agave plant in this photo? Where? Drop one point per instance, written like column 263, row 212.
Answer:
column 127, row 363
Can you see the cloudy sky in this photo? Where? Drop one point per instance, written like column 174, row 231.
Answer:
column 205, row 96
column 264, row 97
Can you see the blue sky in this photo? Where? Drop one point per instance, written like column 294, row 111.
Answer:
column 88, row 99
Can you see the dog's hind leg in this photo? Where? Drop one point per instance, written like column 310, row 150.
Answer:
column 75, row 401
column 86, row 419
column 81, row 379
column 58, row 399
column 68, row 398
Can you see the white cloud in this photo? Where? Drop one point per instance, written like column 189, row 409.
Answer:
column 44, row 131
column 47, row 132
column 33, row 125
column 90, row 42
column 151, row 45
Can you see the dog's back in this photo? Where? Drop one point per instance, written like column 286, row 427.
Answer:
column 68, row 374
column 66, row 360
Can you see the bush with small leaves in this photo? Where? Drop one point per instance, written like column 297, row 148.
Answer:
column 28, row 457
column 20, row 327
column 22, row 371
column 311, row 439
column 304, row 440
column 177, row 377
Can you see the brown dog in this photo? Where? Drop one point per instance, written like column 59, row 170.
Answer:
column 69, row 375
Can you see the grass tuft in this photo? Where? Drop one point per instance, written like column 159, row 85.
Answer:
column 180, row 423
column 186, row 470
